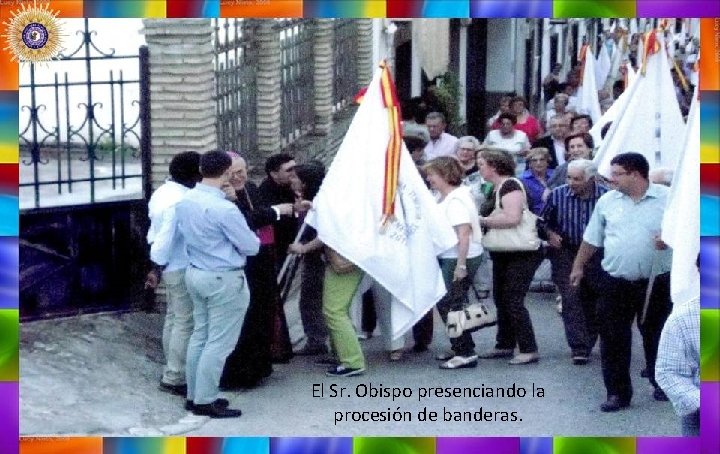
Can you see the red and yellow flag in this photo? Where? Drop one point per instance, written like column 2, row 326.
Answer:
column 392, row 153
column 652, row 46
column 583, row 54
column 360, row 95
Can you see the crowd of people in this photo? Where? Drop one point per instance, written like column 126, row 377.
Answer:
column 221, row 246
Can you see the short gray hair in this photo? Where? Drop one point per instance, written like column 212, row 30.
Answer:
column 436, row 116
column 473, row 141
column 588, row 168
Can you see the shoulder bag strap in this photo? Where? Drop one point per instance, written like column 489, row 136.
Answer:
column 522, row 188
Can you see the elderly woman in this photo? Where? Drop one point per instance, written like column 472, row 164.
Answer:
column 512, row 271
column 560, row 109
column 465, row 149
column 577, row 146
column 510, row 139
column 524, row 121
column 536, row 178
column 460, row 263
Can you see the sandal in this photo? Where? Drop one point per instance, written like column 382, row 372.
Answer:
column 460, row 362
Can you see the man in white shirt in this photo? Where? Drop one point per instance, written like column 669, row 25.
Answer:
column 167, row 252
column 441, row 143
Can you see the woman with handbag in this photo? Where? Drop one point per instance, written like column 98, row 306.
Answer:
column 459, row 264
column 514, row 247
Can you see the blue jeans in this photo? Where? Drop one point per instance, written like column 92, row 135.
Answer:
column 220, row 301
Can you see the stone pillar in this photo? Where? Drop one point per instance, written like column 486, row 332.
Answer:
column 269, row 95
column 323, row 40
column 365, row 63
column 182, row 89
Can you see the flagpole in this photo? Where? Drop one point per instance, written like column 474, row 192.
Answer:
column 291, row 255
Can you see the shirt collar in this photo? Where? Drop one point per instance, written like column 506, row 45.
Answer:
column 210, row 190
column 653, row 191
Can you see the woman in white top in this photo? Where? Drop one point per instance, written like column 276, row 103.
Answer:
column 460, row 263
column 511, row 140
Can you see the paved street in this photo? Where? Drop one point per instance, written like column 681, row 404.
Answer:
column 98, row 375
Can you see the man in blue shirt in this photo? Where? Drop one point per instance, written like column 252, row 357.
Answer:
column 218, row 240
column 626, row 222
column 566, row 214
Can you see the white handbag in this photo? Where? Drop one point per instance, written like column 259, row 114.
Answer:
column 522, row 237
column 471, row 318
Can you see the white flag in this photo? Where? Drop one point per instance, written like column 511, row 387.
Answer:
column 348, row 211
column 588, row 102
column 616, row 108
column 650, row 123
column 603, row 64
column 681, row 222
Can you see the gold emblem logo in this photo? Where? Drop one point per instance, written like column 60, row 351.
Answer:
column 33, row 34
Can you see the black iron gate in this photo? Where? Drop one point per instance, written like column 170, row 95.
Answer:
column 84, row 180
column 235, row 70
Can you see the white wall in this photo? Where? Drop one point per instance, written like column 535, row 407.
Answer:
column 500, row 59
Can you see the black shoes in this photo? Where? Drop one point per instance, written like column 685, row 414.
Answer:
column 580, row 359
column 660, row 395
column 178, row 390
column 215, row 410
column 190, row 406
column 312, row 350
column 613, row 404
column 420, row 348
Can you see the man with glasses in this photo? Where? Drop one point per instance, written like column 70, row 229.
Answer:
column 441, row 143
column 626, row 223
column 555, row 141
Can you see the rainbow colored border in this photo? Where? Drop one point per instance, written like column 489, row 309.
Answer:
column 709, row 204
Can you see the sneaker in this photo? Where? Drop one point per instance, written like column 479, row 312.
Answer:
column 342, row 371
column 460, row 362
